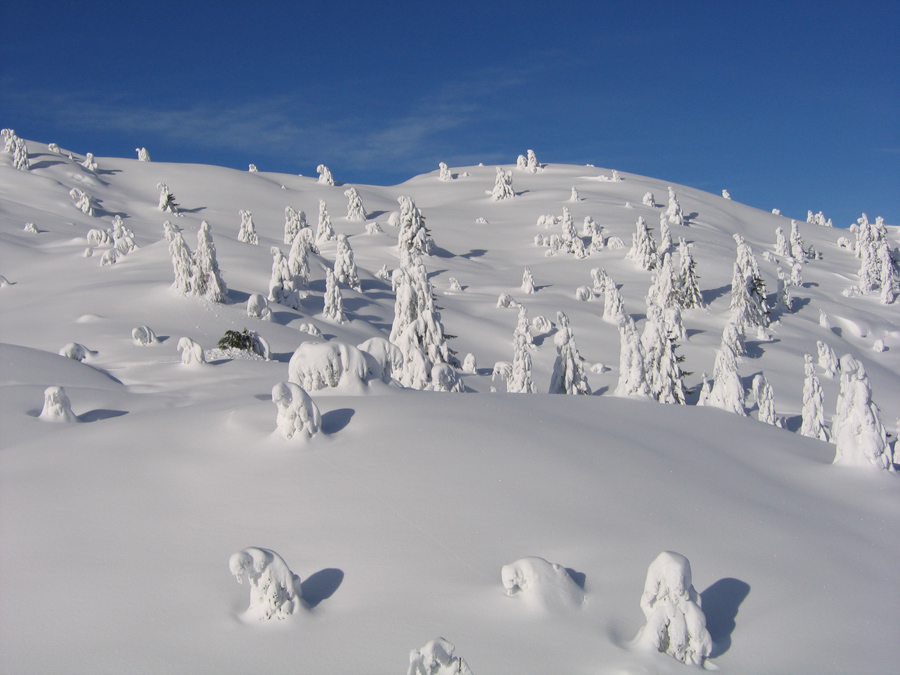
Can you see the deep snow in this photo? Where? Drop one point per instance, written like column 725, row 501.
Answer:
column 117, row 531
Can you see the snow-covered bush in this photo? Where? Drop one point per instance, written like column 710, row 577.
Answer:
column 355, row 210
column 470, row 364
column 374, row 228
column 344, row 267
column 444, row 172
column 309, row 329
column 298, row 416
column 325, row 177
column 386, row 355
column 57, row 407
column 53, row 147
column 436, row 658
column 109, row 257
column 143, row 336
column 856, row 428
column 813, row 412
column 166, row 199
column 247, row 233
column 334, row 303
column 583, row 294
column 503, row 188
column 143, row 155
column 247, row 341
column 191, row 352
column 31, row 228
column 319, row 365
column 258, row 307
column 445, row 378
column 568, row 370
column 828, row 360
column 74, row 351
column 541, row 324
column 528, row 281
column 89, row 162
column 541, row 584
column 275, row 591
column 504, row 301
column 83, row 201
column 648, row 199
column 726, row 194
column 675, row 623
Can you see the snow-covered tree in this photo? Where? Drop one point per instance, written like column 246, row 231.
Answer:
column 247, row 233
column 503, row 188
column 143, row 155
column 436, row 658
column 528, row 281
column 206, row 279
column 688, row 286
column 727, row 391
column 182, row 260
column 280, row 283
column 765, row 400
column 569, row 235
column 574, row 197
column 89, row 162
column 298, row 262
column 665, row 235
column 813, row 413
column 325, row 177
column 20, row 156
column 613, row 304
column 673, row 211
column 191, row 352
column 632, row 376
column 520, row 380
column 258, row 307
column 783, row 300
column 355, row 210
column 856, row 429
column 749, row 307
column 293, row 222
column 57, row 407
column 648, row 200
column 324, row 231
column 665, row 290
column 661, row 362
column 782, row 250
column 334, row 304
column 413, row 239
column 166, row 199
column 568, row 369
column 444, row 172
column 83, row 201
column 888, row 266
column 144, row 336
column 344, row 265
column 9, row 140
column 417, row 328
column 643, row 248
column 726, row 194
column 75, row 351
column 675, row 623
column 298, row 416
column 797, row 251
column 275, row 591
column 531, row 162
column 828, row 360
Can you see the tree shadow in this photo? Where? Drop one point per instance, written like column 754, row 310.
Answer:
column 45, row 164
column 438, row 252
column 474, row 253
column 578, row 577
column 237, row 296
column 320, row 586
column 754, row 349
column 375, row 214
column 100, row 414
column 600, row 391
column 335, row 420
column 793, row 423
column 837, row 331
column 711, row 294
column 720, row 604
column 107, row 172
column 196, row 210
column 691, row 332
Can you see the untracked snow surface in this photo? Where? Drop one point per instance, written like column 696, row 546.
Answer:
column 391, row 527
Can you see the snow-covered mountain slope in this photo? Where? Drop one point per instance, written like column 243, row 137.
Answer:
column 117, row 531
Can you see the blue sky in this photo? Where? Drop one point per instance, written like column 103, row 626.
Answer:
column 792, row 105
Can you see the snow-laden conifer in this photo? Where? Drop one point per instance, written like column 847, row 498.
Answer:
column 275, row 591
column 613, row 303
column 57, row 407
column 293, row 222
column 520, row 380
column 568, row 369
column 531, row 162
column 782, row 250
column 9, row 140
column 167, row 202
column 247, row 234
column 191, row 352
column 665, row 291
column 355, row 210
column 828, row 360
column 20, row 156
column 344, row 266
column 632, row 376
column 797, row 252
column 206, row 279
column 325, row 177
column 413, row 239
column 182, row 260
column 503, row 188
column 813, row 412
column 258, row 307
column 675, row 623
column 143, row 155
column 444, row 173
column 661, row 362
column 298, row 262
column 727, row 391
column 83, row 201
column 765, row 400
column 324, row 231
column 856, row 429
column 280, row 287
column 749, row 307
column 334, row 304
column 688, row 286
column 673, row 211
column 643, row 248
column 528, row 281
column 298, row 416
column 89, row 162
column 665, row 236
column 648, row 200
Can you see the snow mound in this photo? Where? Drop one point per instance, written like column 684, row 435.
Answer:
column 541, row 584
column 323, row 365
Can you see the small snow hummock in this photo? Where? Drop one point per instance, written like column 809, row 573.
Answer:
column 74, row 351
column 298, row 416
column 258, row 307
column 436, row 658
column 675, row 623
column 57, row 407
column 541, row 583
column 274, row 590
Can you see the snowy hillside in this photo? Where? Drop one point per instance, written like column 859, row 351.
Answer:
column 122, row 529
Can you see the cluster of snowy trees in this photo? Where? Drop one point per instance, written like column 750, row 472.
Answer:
column 878, row 266
column 529, row 163
column 16, row 147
